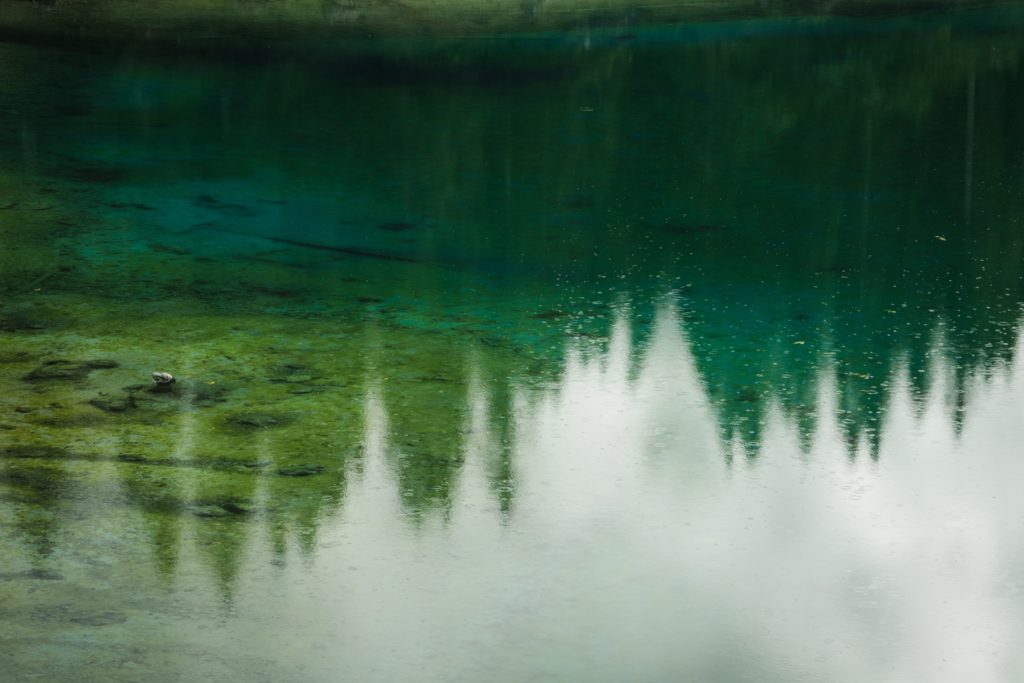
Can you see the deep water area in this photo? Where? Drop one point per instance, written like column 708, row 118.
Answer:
column 681, row 354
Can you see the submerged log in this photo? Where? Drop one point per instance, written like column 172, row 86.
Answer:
column 349, row 251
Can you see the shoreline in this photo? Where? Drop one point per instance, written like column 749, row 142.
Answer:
column 221, row 26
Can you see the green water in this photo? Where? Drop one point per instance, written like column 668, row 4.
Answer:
column 678, row 355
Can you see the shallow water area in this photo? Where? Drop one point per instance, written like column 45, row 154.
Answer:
column 687, row 353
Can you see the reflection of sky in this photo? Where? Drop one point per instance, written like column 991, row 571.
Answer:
column 634, row 553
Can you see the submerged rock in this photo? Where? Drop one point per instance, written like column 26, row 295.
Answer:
column 73, row 421
column 204, row 394
column 300, row 391
column 256, row 464
column 221, row 508
column 37, row 574
column 257, row 420
column 230, row 208
column 98, row 619
column 210, row 511
column 279, row 292
column 118, row 405
column 68, row 370
column 42, row 482
column 200, row 394
column 306, row 470
column 237, row 508
column 17, row 323
column 44, row 575
column 163, row 378
column 34, row 453
column 291, row 373
column 130, row 205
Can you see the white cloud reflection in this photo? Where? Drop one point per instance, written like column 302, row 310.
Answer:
column 633, row 548
column 634, row 553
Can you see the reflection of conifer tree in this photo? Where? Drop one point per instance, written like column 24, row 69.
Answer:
column 37, row 489
column 222, row 543
column 861, row 350
column 500, row 466
column 165, row 537
column 296, row 507
column 496, row 377
column 157, row 494
column 425, row 397
column 222, row 537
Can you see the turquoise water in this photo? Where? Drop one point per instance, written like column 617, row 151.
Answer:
column 681, row 354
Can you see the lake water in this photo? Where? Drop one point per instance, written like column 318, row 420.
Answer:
column 678, row 354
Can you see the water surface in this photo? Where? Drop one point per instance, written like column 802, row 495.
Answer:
column 683, row 354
